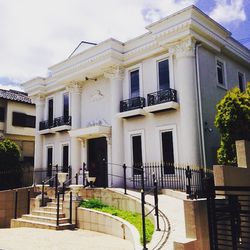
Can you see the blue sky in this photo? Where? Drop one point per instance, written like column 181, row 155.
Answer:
column 37, row 34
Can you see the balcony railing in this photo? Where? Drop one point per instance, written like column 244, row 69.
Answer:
column 162, row 96
column 59, row 121
column 131, row 104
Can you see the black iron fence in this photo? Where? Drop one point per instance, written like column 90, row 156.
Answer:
column 169, row 176
column 228, row 216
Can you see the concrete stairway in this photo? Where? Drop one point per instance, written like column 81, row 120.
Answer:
column 44, row 218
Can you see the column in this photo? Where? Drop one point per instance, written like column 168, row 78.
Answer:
column 186, row 80
column 109, row 160
column 75, row 112
column 116, row 74
column 38, row 161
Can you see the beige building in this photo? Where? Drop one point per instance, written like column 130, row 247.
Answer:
column 17, row 122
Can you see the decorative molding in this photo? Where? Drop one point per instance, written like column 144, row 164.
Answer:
column 101, row 122
column 109, row 140
column 185, row 48
column 74, row 87
column 96, row 95
column 114, row 72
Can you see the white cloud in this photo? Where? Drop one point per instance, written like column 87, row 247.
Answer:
column 227, row 11
column 37, row 34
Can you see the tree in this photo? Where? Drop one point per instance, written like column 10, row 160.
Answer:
column 233, row 121
column 10, row 169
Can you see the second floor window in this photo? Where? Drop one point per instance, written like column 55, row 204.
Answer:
column 134, row 84
column 241, row 81
column 23, row 120
column 220, row 73
column 163, row 71
column 66, row 105
column 50, row 111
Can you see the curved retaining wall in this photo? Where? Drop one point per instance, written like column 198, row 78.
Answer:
column 106, row 223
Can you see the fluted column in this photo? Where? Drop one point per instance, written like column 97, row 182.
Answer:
column 38, row 161
column 115, row 74
column 75, row 112
column 186, row 80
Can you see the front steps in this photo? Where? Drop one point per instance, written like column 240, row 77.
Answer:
column 45, row 218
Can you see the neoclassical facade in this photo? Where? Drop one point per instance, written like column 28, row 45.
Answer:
column 150, row 99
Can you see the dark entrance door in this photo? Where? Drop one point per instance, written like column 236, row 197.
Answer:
column 49, row 161
column 97, row 157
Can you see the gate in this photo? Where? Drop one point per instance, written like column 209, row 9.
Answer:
column 229, row 217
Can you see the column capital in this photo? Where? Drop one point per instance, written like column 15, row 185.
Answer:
column 185, row 48
column 114, row 72
column 38, row 100
column 74, row 87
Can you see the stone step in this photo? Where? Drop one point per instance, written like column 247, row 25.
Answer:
column 35, row 224
column 50, row 209
column 54, row 204
column 47, row 214
column 50, row 220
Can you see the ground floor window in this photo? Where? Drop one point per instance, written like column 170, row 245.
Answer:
column 167, row 151
column 49, row 161
column 65, row 158
column 137, row 153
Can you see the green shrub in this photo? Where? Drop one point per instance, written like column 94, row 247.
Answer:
column 233, row 121
column 133, row 218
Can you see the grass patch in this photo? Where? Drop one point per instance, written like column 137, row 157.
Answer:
column 132, row 218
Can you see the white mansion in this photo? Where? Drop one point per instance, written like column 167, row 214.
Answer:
column 150, row 99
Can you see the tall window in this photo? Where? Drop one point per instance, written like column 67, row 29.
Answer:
column 167, row 152
column 137, row 153
column 66, row 105
column 163, row 71
column 50, row 111
column 65, row 158
column 134, row 84
column 220, row 73
column 241, row 81
column 2, row 114
column 49, row 161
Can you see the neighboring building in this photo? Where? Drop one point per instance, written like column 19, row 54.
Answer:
column 17, row 122
column 150, row 99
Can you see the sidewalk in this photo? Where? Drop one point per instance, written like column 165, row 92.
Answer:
column 43, row 239
column 173, row 209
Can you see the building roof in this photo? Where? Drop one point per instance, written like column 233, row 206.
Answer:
column 15, row 95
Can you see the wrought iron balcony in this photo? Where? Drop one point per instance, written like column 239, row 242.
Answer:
column 162, row 96
column 63, row 120
column 132, row 103
column 59, row 121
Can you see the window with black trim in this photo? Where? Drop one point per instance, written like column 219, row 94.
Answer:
column 50, row 111
column 163, row 71
column 220, row 73
column 23, row 120
column 137, row 153
column 65, row 104
column 134, row 83
column 241, row 81
column 167, row 151
column 2, row 114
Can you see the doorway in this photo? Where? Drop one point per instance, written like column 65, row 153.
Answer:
column 97, row 161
